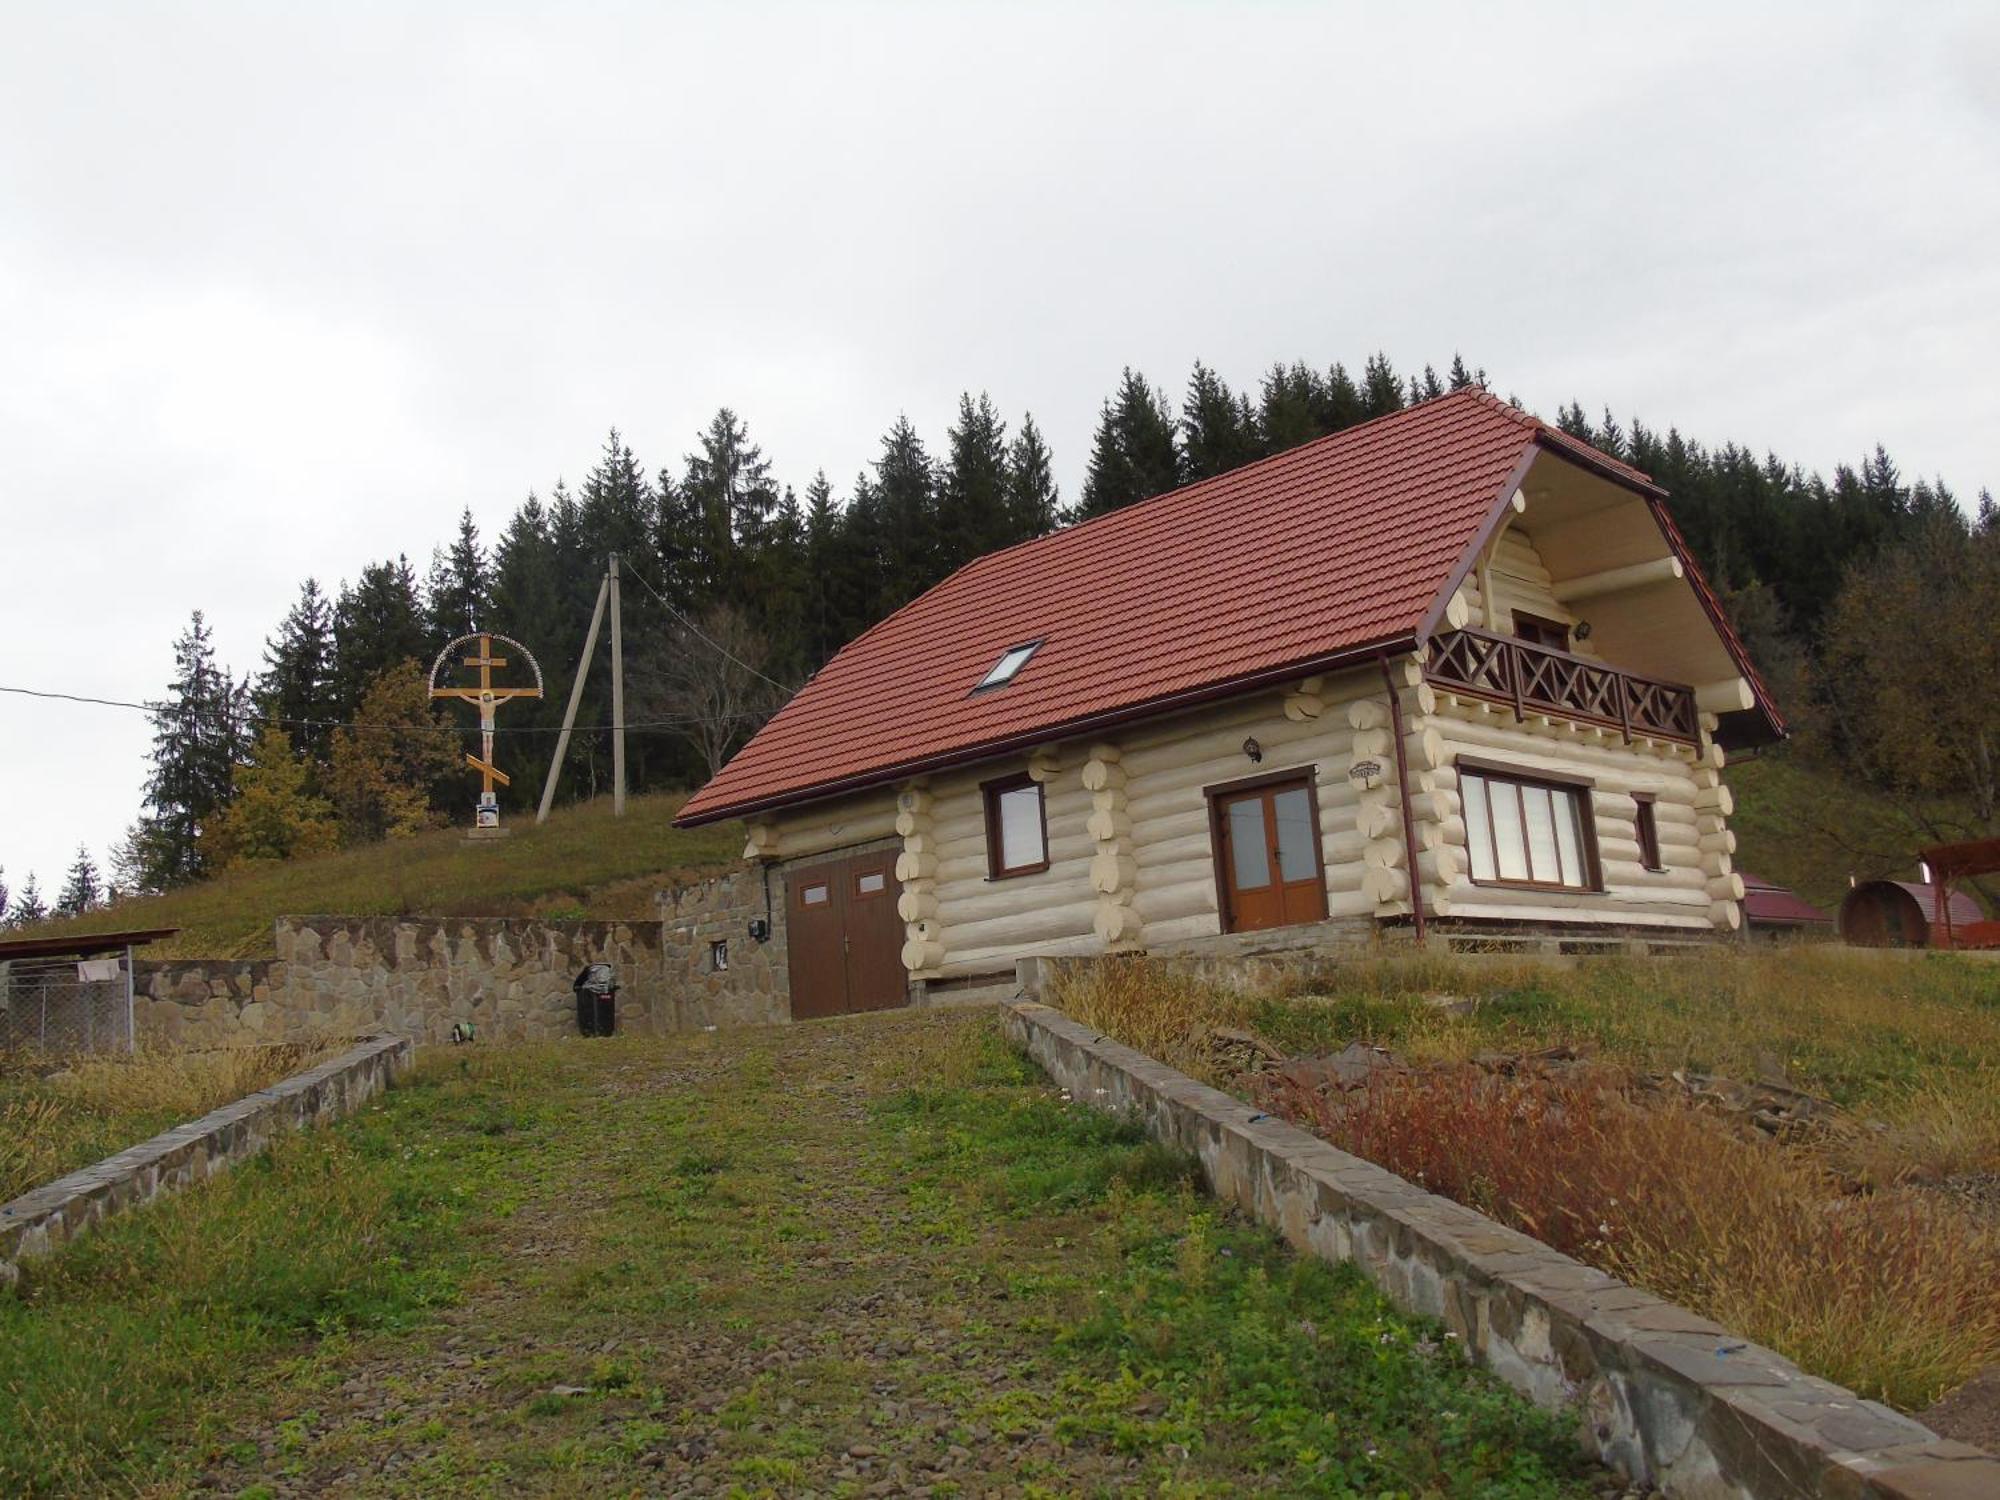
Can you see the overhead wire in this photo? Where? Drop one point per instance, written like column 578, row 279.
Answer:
column 252, row 716
column 699, row 634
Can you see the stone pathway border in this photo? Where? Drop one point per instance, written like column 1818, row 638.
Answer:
column 45, row 1218
column 1663, row 1395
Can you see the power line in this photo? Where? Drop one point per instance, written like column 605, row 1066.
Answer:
column 697, row 632
column 251, row 716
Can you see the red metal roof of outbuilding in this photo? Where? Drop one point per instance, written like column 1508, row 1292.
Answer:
column 1303, row 560
column 1768, row 905
column 1960, row 904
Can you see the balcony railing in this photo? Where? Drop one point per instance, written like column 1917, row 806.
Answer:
column 1540, row 679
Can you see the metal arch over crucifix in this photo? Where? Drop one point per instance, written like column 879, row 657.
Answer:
column 489, row 696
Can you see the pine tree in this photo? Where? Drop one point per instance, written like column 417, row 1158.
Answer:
column 456, row 595
column 28, row 907
column 862, row 579
column 376, row 623
column 1033, row 501
column 525, row 590
column 1381, row 390
column 905, row 495
column 779, row 602
column 297, row 684
column 81, row 891
column 974, row 513
column 527, row 600
column 274, row 815
column 618, row 511
column 198, row 738
column 1344, row 403
column 1217, row 429
column 1133, row 456
column 825, row 557
column 1294, row 407
column 726, row 493
column 3, row 895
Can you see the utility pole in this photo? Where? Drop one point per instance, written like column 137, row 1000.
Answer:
column 617, row 696
column 576, row 697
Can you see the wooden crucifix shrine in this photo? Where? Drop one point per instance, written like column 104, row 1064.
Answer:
column 489, row 695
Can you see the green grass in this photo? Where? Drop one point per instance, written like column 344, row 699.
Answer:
column 820, row 1257
column 1205, row 1350
column 581, row 863
column 107, row 1349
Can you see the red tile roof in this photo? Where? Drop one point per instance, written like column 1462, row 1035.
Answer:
column 1311, row 557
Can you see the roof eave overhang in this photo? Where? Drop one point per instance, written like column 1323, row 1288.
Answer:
column 1043, row 734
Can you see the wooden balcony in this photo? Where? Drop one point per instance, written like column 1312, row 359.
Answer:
column 1540, row 679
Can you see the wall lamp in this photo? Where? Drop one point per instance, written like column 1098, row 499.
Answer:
column 1254, row 750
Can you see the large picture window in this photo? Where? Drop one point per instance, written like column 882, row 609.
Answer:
column 1017, row 830
column 1528, row 830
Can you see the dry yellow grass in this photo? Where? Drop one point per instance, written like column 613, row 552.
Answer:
column 1871, row 1290
column 56, row 1116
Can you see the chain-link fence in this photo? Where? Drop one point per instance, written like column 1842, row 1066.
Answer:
column 66, row 1004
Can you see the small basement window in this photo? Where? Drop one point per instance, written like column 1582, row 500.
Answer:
column 1017, row 829
column 1526, row 831
column 1005, row 670
column 1647, row 822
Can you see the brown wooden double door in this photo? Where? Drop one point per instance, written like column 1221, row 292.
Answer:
column 844, row 937
column 1268, row 865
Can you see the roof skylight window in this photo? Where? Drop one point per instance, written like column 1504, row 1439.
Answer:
column 1004, row 670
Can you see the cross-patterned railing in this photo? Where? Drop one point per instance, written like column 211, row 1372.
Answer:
column 1540, row 679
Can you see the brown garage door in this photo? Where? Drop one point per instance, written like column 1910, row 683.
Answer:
column 844, row 937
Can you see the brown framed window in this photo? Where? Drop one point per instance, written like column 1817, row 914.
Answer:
column 1647, row 822
column 1524, row 829
column 1017, row 827
column 1540, row 630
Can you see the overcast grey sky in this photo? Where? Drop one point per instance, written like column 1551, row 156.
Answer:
column 282, row 289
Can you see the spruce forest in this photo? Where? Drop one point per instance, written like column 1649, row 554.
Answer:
column 738, row 586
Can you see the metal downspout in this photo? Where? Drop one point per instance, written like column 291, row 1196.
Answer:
column 1403, row 800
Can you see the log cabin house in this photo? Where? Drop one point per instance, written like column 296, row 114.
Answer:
column 1450, row 669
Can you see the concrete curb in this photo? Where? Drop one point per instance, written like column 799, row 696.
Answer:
column 45, row 1218
column 1664, row 1396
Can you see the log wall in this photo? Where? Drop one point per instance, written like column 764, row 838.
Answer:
column 1131, row 854
column 1697, row 888
column 1520, row 580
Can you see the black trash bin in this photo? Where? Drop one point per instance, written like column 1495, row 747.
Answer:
column 596, row 987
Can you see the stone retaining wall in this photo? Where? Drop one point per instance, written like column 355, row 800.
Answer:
column 1668, row 1398
column 50, row 1216
column 509, row 977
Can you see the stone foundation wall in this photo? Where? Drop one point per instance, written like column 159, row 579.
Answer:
column 50, row 1216
column 743, row 982
column 1667, row 1397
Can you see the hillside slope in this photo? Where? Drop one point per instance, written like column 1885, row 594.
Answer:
column 581, row 863
column 1810, row 828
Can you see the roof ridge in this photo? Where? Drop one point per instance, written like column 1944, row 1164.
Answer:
column 1292, row 452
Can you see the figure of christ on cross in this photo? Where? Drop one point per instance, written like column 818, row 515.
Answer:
column 488, row 697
